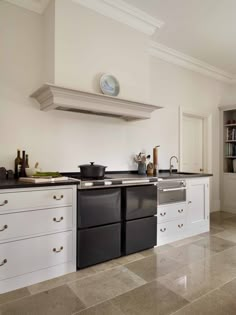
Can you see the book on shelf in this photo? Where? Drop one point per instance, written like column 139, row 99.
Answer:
column 230, row 134
column 230, row 149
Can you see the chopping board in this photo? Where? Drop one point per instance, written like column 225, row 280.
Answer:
column 34, row 180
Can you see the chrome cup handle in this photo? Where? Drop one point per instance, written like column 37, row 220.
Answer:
column 163, row 214
column 3, row 262
column 58, row 198
column 4, row 203
column 4, row 228
column 58, row 250
column 58, row 220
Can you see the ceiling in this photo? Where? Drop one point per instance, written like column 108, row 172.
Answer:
column 196, row 34
column 203, row 29
column 37, row 6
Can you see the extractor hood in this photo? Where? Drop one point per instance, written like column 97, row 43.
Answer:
column 51, row 96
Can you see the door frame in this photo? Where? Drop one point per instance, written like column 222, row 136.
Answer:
column 207, row 137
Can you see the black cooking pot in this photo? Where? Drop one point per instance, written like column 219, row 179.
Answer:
column 92, row 170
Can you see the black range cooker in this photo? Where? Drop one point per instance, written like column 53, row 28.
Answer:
column 116, row 216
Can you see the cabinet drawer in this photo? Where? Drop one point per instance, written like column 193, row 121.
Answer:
column 174, row 211
column 35, row 199
column 170, row 230
column 20, row 257
column 14, row 225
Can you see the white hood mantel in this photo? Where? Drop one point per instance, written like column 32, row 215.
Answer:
column 50, row 96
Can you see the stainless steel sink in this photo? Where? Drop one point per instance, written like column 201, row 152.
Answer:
column 177, row 175
column 186, row 173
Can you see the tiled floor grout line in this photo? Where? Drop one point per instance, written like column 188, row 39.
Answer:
column 202, row 296
column 69, row 282
column 14, row 300
column 99, row 272
column 107, row 300
column 115, row 296
column 118, row 295
column 85, row 277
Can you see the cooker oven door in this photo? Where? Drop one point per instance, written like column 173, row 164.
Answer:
column 99, row 226
column 140, row 202
column 98, row 244
column 140, row 222
column 98, row 207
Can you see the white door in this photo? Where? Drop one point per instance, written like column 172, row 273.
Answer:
column 192, row 143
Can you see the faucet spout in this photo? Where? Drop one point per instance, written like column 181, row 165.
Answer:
column 172, row 166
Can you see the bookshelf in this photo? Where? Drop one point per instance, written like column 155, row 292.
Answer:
column 227, row 135
column 229, row 139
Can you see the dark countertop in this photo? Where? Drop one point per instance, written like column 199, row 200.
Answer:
column 13, row 183
column 175, row 175
column 163, row 174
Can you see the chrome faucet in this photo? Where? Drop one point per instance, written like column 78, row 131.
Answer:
column 172, row 166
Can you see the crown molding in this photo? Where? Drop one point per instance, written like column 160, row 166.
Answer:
column 178, row 58
column 124, row 13
column 32, row 5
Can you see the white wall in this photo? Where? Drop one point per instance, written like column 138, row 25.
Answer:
column 87, row 44
column 229, row 96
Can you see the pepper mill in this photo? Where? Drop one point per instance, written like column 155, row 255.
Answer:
column 155, row 160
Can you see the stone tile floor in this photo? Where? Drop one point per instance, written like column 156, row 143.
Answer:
column 192, row 276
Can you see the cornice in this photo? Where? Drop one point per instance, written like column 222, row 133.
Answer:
column 32, row 5
column 124, row 13
column 178, row 58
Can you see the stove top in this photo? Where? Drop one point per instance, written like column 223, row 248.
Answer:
column 113, row 180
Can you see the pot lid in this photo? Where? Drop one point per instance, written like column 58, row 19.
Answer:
column 92, row 165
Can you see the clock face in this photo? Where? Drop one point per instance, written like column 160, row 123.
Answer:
column 109, row 85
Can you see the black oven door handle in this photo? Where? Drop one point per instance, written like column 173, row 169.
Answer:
column 172, row 189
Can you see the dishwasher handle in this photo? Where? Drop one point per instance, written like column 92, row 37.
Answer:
column 172, row 189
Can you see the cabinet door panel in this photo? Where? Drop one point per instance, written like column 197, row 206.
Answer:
column 198, row 210
column 198, row 204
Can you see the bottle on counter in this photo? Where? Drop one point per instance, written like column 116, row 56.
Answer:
column 18, row 162
column 23, row 165
column 27, row 160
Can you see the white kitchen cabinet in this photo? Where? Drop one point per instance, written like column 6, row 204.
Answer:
column 184, row 219
column 16, row 200
column 35, row 254
column 171, row 231
column 171, row 211
column 37, row 235
column 34, row 223
column 198, row 205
